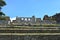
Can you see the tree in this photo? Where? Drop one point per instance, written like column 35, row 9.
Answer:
column 2, row 3
column 2, row 14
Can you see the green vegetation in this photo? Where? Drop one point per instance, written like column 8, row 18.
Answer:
column 50, row 25
column 2, row 3
column 2, row 15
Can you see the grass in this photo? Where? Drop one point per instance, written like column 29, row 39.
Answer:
column 50, row 25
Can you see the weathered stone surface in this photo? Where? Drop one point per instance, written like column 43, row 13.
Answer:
column 40, row 37
column 29, row 31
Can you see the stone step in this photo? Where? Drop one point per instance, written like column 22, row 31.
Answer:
column 30, row 37
column 29, row 31
column 29, row 34
column 30, row 28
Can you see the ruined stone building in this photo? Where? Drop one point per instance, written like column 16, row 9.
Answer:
column 26, row 21
column 57, row 17
column 53, row 19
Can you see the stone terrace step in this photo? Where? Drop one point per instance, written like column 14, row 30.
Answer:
column 29, row 34
column 29, row 31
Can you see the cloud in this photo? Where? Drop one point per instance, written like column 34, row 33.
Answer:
column 14, row 18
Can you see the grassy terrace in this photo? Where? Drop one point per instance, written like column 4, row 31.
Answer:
column 50, row 25
column 29, row 33
column 27, row 29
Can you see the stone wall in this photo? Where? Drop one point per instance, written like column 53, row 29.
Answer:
column 26, row 21
column 40, row 37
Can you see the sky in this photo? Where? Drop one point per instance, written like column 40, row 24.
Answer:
column 28, row 8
